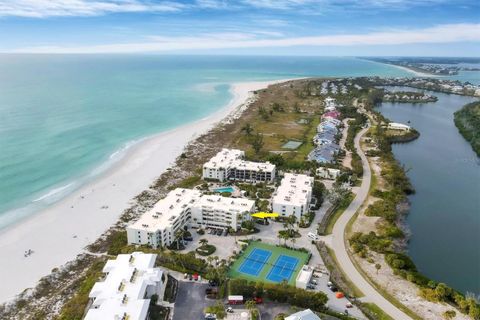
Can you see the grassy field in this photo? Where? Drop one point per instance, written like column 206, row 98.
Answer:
column 276, row 252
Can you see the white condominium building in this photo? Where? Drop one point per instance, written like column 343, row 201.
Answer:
column 130, row 281
column 328, row 173
column 229, row 164
column 181, row 207
column 330, row 104
column 157, row 226
column 221, row 212
column 293, row 196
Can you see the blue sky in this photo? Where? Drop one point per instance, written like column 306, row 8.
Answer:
column 296, row 27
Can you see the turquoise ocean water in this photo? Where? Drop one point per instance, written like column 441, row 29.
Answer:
column 65, row 118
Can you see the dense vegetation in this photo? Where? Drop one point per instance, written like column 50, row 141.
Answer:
column 467, row 121
column 354, row 126
column 280, row 293
column 408, row 97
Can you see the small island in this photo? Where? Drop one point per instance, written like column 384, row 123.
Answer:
column 408, row 97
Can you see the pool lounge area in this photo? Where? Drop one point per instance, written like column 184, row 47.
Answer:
column 225, row 189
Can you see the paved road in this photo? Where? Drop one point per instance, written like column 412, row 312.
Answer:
column 340, row 249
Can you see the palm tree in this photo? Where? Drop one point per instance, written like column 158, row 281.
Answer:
column 210, row 260
column 179, row 235
column 378, row 266
column 293, row 241
column 283, row 236
column 250, row 305
column 248, row 129
column 203, row 242
column 257, row 143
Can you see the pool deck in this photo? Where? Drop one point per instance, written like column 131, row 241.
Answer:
column 275, row 267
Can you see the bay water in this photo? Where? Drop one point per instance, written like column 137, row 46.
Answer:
column 444, row 217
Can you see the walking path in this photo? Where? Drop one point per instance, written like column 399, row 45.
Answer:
column 339, row 243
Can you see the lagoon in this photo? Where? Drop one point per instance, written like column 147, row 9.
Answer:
column 444, row 218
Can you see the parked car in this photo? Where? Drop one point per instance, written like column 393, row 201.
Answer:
column 188, row 239
column 310, row 286
column 329, row 284
column 333, row 289
column 312, row 236
column 190, row 277
column 219, row 232
column 212, row 283
column 209, row 291
column 314, row 282
column 185, row 276
column 349, row 305
column 210, row 316
column 229, row 310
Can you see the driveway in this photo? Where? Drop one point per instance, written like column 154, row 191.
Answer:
column 191, row 301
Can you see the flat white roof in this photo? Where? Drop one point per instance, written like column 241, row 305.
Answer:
column 225, row 204
column 122, row 291
column 167, row 210
column 294, row 189
column 398, row 125
column 320, row 169
column 303, row 315
column 232, row 158
column 305, row 274
column 224, row 158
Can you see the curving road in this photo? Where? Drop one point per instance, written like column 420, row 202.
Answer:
column 339, row 243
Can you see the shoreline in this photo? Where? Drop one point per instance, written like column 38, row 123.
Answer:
column 60, row 232
column 416, row 73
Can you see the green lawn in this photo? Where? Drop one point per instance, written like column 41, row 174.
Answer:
column 276, row 252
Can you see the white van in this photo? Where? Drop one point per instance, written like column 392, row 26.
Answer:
column 312, row 236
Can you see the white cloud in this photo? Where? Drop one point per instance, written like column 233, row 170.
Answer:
column 449, row 33
column 338, row 4
column 52, row 8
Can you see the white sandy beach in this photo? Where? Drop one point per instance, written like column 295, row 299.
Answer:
column 61, row 232
column 416, row 73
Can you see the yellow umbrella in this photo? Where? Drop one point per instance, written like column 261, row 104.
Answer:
column 264, row 215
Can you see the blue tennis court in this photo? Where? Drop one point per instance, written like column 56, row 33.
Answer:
column 282, row 269
column 255, row 261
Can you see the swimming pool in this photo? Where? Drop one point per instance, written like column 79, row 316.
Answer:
column 224, row 189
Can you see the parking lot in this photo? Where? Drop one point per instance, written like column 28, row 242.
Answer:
column 226, row 244
column 191, row 301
